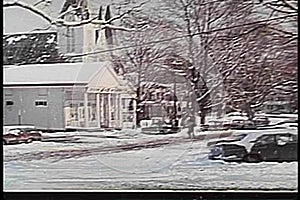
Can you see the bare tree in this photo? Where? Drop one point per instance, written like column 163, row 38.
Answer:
column 145, row 60
column 288, row 26
column 263, row 66
column 198, row 18
column 244, row 44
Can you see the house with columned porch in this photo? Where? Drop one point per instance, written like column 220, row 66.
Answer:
column 67, row 95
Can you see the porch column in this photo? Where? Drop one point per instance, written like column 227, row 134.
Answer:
column 98, row 110
column 134, row 113
column 102, row 114
column 120, row 111
column 109, row 109
column 86, row 113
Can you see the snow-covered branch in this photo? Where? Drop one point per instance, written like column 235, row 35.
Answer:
column 59, row 21
column 28, row 7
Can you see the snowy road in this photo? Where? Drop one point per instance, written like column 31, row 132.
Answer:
column 132, row 161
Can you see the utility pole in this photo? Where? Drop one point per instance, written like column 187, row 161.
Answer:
column 175, row 102
column 138, row 101
column 19, row 117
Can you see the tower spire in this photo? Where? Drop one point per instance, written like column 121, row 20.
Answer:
column 108, row 31
column 99, row 18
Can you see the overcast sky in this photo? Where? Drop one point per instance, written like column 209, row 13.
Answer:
column 16, row 19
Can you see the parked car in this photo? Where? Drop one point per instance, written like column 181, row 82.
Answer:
column 239, row 124
column 236, row 114
column 158, row 126
column 276, row 147
column 33, row 134
column 20, row 135
column 14, row 136
column 213, row 125
column 256, row 147
column 261, row 121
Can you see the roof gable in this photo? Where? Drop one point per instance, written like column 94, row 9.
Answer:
column 107, row 78
column 104, row 78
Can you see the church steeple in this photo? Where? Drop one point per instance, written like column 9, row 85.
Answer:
column 97, row 37
column 104, row 36
column 99, row 18
column 108, row 31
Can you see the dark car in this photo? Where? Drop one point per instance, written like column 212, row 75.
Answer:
column 276, row 147
column 213, row 125
column 242, row 124
column 20, row 135
column 158, row 126
column 261, row 121
column 256, row 147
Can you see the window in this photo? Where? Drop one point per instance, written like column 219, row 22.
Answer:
column 294, row 138
column 124, row 104
column 127, row 104
column 15, row 131
column 73, row 105
column 9, row 103
column 286, row 138
column 282, row 139
column 266, row 139
column 41, row 103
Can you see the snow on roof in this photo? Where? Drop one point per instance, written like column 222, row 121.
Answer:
column 30, row 33
column 52, row 73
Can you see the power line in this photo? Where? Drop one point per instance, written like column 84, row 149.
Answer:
column 171, row 38
column 182, row 36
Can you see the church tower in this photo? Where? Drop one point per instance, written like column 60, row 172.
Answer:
column 87, row 38
column 103, row 37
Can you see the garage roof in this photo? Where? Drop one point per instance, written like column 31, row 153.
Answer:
column 60, row 73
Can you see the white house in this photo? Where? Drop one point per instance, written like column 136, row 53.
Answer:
column 69, row 95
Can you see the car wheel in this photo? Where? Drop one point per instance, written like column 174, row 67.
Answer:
column 252, row 158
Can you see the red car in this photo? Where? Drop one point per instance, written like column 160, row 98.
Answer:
column 33, row 134
column 20, row 135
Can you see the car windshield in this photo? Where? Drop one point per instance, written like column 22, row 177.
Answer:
column 238, row 137
column 14, row 131
column 28, row 129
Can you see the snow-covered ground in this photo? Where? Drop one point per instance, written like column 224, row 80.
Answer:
column 129, row 160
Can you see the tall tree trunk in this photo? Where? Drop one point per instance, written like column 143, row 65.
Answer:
column 202, row 116
column 249, row 111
